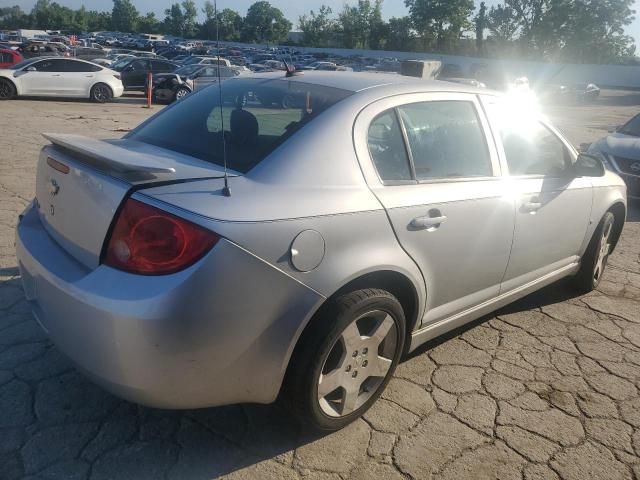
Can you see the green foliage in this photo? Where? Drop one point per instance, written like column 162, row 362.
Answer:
column 440, row 23
column 265, row 24
column 359, row 23
column 577, row 31
column 318, row 28
column 124, row 16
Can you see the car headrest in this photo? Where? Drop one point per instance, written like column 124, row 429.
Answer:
column 243, row 127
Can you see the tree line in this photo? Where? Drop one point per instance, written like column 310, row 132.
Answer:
column 576, row 31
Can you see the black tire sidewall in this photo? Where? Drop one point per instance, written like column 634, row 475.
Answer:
column 93, row 93
column 584, row 279
column 12, row 87
column 326, row 332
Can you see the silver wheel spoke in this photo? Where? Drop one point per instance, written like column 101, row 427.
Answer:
column 351, row 336
column 382, row 330
column 380, row 367
column 329, row 382
column 350, row 400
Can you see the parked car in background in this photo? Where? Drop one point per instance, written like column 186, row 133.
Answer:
column 203, row 60
column 60, row 77
column 375, row 215
column 41, row 49
column 568, row 93
column 9, row 57
column 620, row 152
column 169, row 87
column 87, row 53
column 465, row 81
column 135, row 71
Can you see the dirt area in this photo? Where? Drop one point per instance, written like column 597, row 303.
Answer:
column 544, row 389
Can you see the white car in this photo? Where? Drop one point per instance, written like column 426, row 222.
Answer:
column 60, row 77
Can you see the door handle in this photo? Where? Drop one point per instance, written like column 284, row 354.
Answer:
column 532, row 207
column 428, row 222
column 55, row 75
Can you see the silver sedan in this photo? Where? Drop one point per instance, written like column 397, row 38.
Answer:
column 303, row 236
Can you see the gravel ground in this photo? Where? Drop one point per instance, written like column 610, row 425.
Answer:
column 545, row 389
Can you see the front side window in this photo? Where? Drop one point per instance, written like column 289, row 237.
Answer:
column 530, row 147
column 446, row 140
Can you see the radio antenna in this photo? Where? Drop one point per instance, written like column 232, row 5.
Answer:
column 225, row 191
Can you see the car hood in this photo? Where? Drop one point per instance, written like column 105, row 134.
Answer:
column 620, row 145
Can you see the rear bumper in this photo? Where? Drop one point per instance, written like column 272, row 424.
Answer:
column 118, row 90
column 220, row 332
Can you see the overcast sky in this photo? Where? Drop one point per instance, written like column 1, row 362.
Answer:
column 291, row 8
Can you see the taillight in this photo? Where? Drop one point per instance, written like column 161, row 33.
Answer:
column 150, row 241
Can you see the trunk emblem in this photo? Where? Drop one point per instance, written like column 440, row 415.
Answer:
column 54, row 188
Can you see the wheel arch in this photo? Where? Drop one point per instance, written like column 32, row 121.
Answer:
column 15, row 85
column 619, row 211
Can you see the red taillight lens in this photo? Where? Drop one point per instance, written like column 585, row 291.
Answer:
column 150, row 241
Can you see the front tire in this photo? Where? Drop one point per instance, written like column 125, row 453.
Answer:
column 345, row 358
column 101, row 93
column 594, row 260
column 7, row 89
column 181, row 93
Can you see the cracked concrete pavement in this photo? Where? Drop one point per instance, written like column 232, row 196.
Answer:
column 546, row 388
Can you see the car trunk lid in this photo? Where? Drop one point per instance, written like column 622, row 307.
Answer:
column 81, row 183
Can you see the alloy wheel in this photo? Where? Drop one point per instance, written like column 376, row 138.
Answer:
column 5, row 90
column 100, row 93
column 357, row 363
column 180, row 94
column 603, row 252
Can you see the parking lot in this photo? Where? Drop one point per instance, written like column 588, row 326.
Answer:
column 544, row 389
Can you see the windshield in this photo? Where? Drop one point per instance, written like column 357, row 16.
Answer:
column 120, row 63
column 187, row 70
column 24, row 63
column 258, row 115
column 191, row 60
column 632, row 127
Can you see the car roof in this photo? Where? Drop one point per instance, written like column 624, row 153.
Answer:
column 360, row 81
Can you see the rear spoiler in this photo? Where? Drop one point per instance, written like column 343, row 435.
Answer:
column 108, row 156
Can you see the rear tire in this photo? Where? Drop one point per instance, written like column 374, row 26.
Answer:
column 594, row 260
column 7, row 89
column 101, row 93
column 345, row 358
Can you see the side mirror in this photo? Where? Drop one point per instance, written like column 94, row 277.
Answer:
column 31, row 69
column 588, row 166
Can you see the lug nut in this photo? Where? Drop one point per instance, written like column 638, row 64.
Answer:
column 365, row 363
column 348, row 368
column 355, row 354
column 364, row 351
column 354, row 374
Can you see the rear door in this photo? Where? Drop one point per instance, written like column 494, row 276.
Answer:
column 552, row 205
column 432, row 166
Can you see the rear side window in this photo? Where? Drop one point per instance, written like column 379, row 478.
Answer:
column 387, row 148
column 258, row 115
column 446, row 140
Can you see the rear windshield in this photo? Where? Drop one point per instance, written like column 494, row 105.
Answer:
column 257, row 116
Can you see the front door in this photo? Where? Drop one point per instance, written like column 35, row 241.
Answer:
column 552, row 205
column 42, row 78
column 439, row 180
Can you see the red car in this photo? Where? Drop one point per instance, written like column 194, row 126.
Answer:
column 9, row 57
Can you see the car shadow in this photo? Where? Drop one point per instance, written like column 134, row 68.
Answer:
column 128, row 99
column 626, row 99
column 557, row 292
